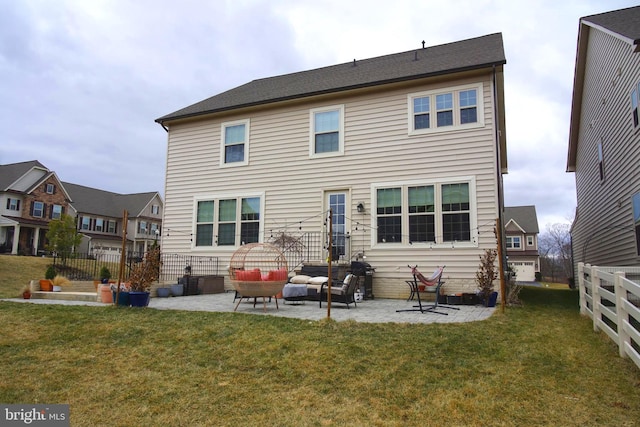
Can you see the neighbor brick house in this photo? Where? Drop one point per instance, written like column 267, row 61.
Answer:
column 407, row 150
column 30, row 197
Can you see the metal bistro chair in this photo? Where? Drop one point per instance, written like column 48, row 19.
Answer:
column 434, row 280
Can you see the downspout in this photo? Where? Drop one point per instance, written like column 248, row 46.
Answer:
column 501, row 237
column 166, row 129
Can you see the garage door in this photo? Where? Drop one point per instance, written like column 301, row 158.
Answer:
column 525, row 271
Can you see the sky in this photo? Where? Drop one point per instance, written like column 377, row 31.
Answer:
column 81, row 82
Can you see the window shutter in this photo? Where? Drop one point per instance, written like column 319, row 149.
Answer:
column 18, row 204
column 54, row 189
column 8, row 202
column 31, row 209
column 51, row 211
column 44, row 210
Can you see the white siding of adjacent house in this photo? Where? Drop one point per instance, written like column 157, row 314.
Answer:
column 603, row 230
column 377, row 149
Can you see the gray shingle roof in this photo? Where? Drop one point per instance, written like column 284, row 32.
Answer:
column 99, row 202
column 524, row 216
column 11, row 172
column 625, row 22
column 480, row 52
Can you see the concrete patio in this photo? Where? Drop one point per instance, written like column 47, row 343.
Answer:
column 369, row 311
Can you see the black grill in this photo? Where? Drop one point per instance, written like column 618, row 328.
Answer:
column 364, row 271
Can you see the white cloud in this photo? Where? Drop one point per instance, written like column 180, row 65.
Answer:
column 83, row 81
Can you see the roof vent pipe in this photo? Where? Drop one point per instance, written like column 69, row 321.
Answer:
column 354, row 62
column 423, row 44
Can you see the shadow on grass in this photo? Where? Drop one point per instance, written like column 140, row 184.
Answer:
column 562, row 299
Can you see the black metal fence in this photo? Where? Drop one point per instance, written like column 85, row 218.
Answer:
column 79, row 266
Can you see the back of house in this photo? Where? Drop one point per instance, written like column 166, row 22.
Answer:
column 406, row 151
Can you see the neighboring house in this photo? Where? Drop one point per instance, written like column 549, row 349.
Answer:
column 407, row 150
column 99, row 217
column 30, row 197
column 521, row 241
column 604, row 139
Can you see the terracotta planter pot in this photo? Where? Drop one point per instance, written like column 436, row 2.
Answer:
column 105, row 294
column 46, row 285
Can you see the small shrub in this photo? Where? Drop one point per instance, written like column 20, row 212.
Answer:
column 105, row 273
column 50, row 273
column 487, row 273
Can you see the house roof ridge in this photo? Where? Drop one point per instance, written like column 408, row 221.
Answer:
column 462, row 55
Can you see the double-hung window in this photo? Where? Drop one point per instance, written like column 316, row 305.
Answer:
column 389, row 209
column 13, row 204
column 111, row 227
column 38, row 209
column 56, row 212
column 456, row 225
column 513, row 242
column 635, row 100
column 204, row 223
column 445, row 109
column 327, row 131
column 600, row 161
column 228, row 221
column 429, row 212
column 235, row 143
column 85, row 223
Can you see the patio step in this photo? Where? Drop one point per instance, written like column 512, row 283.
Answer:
column 68, row 296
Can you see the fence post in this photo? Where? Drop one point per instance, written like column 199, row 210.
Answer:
column 621, row 313
column 581, row 289
column 595, row 294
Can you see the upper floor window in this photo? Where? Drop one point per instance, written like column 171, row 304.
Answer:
column 327, row 131
column 600, row 161
column 99, row 224
column 13, row 204
column 50, row 188
column 236, row 221
column 513, row 242
column 111, row 227
column 635, row 100
column 235, row 143
column 56, row 212
column 86, row 223
column 155, row 209
column 436, row 212
column 446, row 109
column 38, row 209
column 529, row 240
column 142, row 227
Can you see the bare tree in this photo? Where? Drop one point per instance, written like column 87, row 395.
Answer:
column 554, row 247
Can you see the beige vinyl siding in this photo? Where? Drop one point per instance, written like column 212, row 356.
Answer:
column 603, row 232
column 377, row 149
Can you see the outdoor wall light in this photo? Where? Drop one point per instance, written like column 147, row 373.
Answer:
column 360, row 207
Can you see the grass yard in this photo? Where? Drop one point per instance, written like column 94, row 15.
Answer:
column 540, row 364
column 17, row 271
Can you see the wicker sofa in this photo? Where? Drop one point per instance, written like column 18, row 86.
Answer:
column 311, row 284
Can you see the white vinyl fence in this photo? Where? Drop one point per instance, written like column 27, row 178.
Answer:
column 611, row 300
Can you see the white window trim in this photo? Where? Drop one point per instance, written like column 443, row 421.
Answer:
column 247, row 133
column 41, row 209
column 216, row 198
column 312, row 133
column 530, row 240
column 473, row 213
column 513, row 238
column 433, row 128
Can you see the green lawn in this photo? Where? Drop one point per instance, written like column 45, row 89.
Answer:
column 541, row 364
